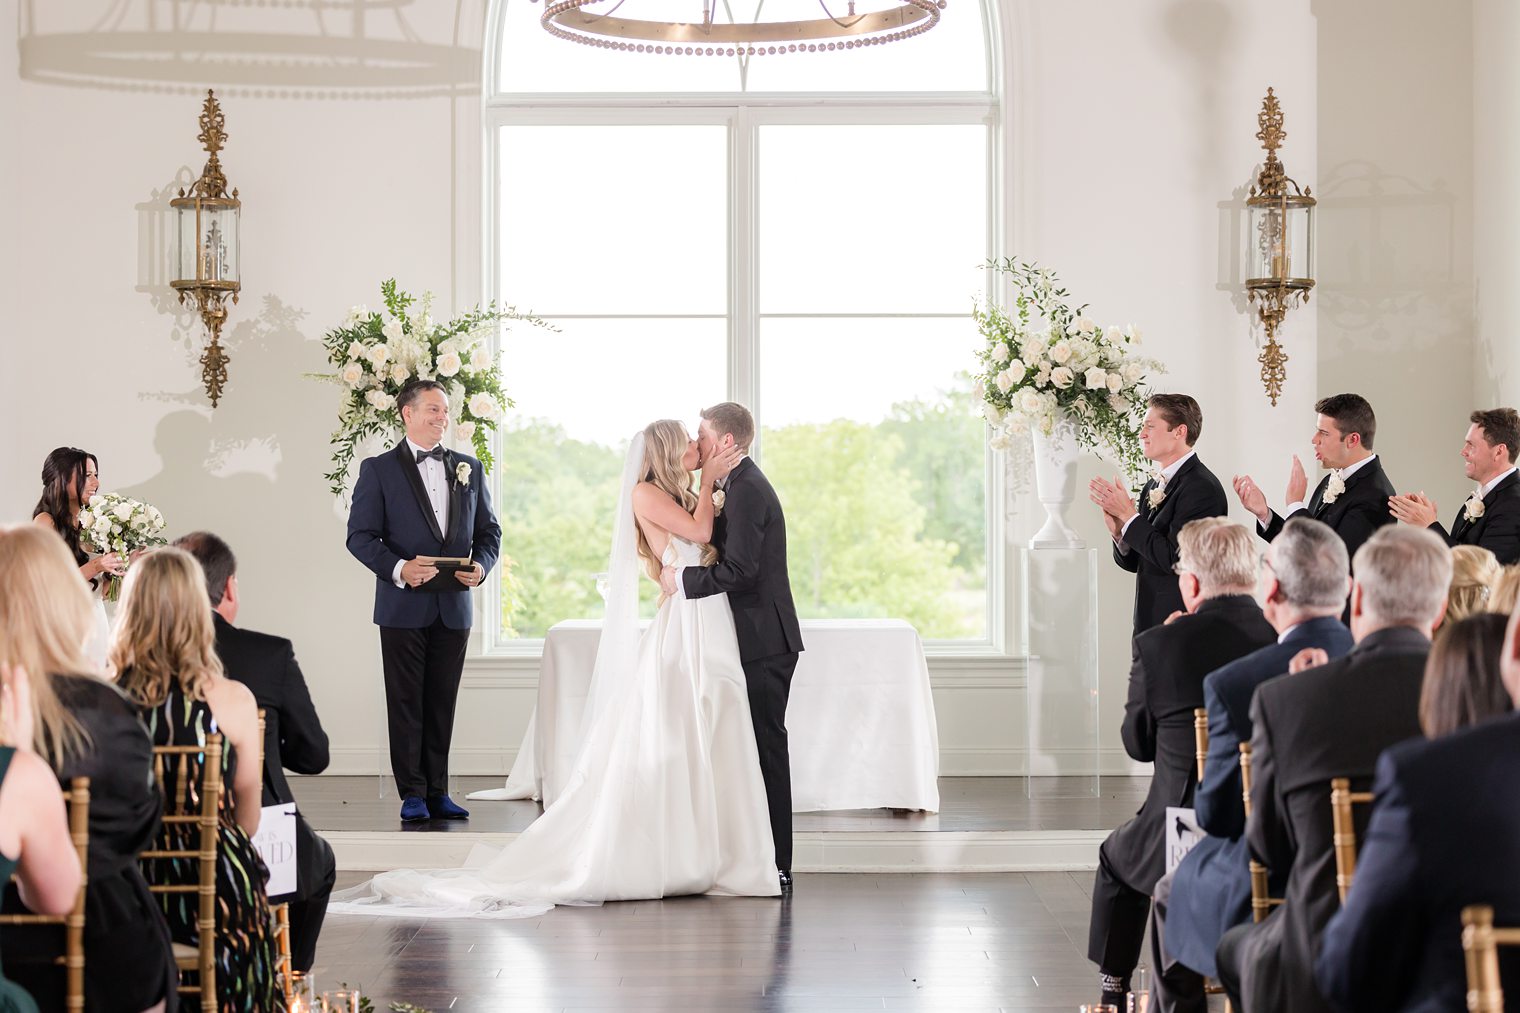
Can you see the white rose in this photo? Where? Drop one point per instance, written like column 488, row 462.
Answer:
column 1060, row 352
column 1095, row 379
column 379, row 400
column 480, row 358
column 393, row 330
column 979, row 391
column 1133, row 334
column 399, row 373
column 1113, row 335
column 1035, row 348
column 992, row 414
column 353, row 373
column 483, row 406
column 377, row 355
column 1030, row 402
column 1000, row 353
column 1115, row 383
column 448, row 363
column 448, row 345
column 1082, row 325
column 123, row 511
column 357, row 313
column 1017, row 370
column 1118, row 403
column 1133, row 371
column 464, row 432
column 999, row 441
column 1017, row 425
column 355, row 350
column 1062, row 377
column 1005, row 381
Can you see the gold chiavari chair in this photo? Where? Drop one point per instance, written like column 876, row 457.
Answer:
column 1480, row 942
column 1344, row 830
column 1201, row 738
column 77, row 798
column 205, row 764
column 1261, row 903
column 280, row 913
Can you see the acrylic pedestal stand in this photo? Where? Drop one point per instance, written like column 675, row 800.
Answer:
column 1061, row 682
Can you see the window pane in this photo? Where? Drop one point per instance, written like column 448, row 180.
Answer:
column 581, row 395
column 870, row 437
column 845, row 229
column 951, row 57
column 656, row 242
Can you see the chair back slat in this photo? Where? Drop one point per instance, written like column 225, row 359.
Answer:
column 1200, row 738
column 178, row 811
column 1480, row 945
column 1343, row 827
column 77, row 799
column 1261, row 901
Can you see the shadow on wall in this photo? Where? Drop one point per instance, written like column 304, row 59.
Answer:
column 338, row 50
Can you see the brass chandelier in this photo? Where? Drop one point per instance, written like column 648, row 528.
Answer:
column 569, row 20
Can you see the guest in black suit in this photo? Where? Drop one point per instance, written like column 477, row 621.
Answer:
column 293, row 735
column 1490, row 517
column 1216, row 577
column 1210, row 891
column 1444, row 834
column 749, row 533
column 1145, row 537
column 1327, row 722
column 1353, row 497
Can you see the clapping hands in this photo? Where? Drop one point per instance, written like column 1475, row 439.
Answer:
column 1113, row 498
column 1413, row 508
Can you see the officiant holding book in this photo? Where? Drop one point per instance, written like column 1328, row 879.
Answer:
column 421, row 520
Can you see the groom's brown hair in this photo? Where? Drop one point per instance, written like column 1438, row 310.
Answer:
column 732, row 418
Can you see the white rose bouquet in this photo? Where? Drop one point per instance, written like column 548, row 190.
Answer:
column 112, row 523
column 374, row 353
column 1044, row 360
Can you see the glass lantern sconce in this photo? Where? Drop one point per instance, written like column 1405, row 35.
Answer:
column 206, row 251
column 1280, row 245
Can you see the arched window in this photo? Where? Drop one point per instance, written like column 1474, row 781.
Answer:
column 803, row 234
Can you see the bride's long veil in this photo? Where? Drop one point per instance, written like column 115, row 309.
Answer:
column 619, row 642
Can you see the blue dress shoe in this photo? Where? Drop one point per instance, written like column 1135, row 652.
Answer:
column 413, row 809
column 443, row 808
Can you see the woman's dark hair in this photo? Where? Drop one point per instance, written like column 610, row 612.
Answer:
column 1462, row 683
column 63, row 476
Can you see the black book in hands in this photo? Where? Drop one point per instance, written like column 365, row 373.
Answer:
column 445, row 582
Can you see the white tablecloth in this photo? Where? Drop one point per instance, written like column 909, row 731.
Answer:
column 860, row 719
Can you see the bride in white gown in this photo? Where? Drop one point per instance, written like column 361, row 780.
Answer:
column 665, row 796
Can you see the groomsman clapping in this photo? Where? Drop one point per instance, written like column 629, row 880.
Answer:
column 1490, row 517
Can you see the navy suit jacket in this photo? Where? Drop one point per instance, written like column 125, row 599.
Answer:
column 391, row 520
column 1211, row 889
column 1444, row 834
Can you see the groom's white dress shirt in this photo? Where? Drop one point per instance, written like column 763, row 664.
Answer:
column 1488, row 487
column 1344, row 473
column 436, row 481
column 1167, row 474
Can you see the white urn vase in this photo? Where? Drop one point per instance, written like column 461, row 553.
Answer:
column 1055, row 482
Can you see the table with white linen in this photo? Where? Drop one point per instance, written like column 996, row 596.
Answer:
column 860, row 719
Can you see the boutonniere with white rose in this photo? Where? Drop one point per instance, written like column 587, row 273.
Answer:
column 1334, row 487
column 1157, row 497
column 718, row 498
column 1473, row 508
column 462, row 473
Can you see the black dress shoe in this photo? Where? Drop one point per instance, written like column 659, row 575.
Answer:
column 786, row 881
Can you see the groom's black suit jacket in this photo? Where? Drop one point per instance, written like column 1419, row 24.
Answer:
column 1355, row 514
column 750, row 536
column 1151, row 539
column 1498, row 530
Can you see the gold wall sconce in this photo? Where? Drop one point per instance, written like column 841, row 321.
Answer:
column 1280, row 245
column 207, row 247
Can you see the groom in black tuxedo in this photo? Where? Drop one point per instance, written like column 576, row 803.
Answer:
column 1490, row 517
column 422, row 500
column 749, row 533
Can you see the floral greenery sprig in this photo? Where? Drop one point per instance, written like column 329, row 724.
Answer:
column 375, row 353
column 1044, row 361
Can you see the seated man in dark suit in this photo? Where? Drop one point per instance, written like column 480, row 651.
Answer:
column 1490, row 517
column 1444, row 834
column 1210, row 891
column 1217, row 576
column 293, row 735
column 1327, row 722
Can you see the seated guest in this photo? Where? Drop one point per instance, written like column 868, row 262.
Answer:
column 293, row 735
column 164, row 652
column 1490, row 517
column 1210, row 891
column 1474, row 571
column 1444, row 834
column 1217, row 576
column 1330, row 721
column 1463, row 685
column 34, row 830
column 84, row 727
column 1506, row 596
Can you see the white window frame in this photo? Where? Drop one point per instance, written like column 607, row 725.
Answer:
column 743, row 114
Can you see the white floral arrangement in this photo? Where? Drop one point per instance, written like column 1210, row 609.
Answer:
column 374, row 353
column 112, row 523
column 1044, row 361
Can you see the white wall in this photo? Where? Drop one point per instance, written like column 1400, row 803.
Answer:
column 1496, row 232
column 1130, row 142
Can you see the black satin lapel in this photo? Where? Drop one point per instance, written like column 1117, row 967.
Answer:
column 413, row 474
column 456, row 494
column 1317, row 504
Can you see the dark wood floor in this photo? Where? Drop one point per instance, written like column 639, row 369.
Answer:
column 966, row 804
column 1010, row 941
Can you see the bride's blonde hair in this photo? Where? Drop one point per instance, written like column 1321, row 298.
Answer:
column 164, row 633
column 665, row 443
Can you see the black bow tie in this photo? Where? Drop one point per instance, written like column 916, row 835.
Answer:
column 436, row 454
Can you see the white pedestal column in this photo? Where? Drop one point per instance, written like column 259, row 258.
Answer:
column 1061, row 695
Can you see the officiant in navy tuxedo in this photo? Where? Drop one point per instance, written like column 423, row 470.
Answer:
column 421, row 500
